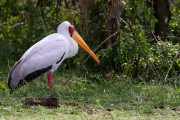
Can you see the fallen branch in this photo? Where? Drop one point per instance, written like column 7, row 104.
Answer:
column 50, row 102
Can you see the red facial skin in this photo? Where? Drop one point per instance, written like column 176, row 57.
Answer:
column 71, row 30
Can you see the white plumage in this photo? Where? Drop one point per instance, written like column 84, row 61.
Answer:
column 46, row 55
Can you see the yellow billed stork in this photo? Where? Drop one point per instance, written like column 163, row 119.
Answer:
column 46, row 55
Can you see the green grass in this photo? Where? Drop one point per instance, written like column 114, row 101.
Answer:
column 115, row 98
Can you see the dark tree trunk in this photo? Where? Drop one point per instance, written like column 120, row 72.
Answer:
column 86, row 6
column 116, row 8
column 163, row 15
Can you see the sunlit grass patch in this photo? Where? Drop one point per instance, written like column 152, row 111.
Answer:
column 83, row 98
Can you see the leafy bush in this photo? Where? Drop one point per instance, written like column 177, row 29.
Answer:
column 134, row 51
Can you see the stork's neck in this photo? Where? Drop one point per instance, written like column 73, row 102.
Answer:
column 73, row 47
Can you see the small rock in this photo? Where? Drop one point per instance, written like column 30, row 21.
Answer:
column 158, row 106
column 176, row 109
column 72, row 104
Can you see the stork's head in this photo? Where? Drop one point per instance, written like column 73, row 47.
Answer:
column 67, row 29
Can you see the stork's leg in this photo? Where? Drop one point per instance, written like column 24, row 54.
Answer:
column 50, row 80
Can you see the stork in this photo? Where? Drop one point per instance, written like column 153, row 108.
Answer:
column 46, row 55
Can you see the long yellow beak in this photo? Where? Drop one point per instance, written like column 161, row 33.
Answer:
column 81, row 42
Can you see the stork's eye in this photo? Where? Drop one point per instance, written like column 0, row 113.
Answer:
column 71, row 30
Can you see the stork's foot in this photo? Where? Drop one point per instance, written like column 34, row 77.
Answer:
column 50, row 102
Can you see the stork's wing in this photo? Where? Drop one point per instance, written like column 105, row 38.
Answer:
column 40, row 58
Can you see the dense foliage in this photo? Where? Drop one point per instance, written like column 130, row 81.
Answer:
column 135, row 50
